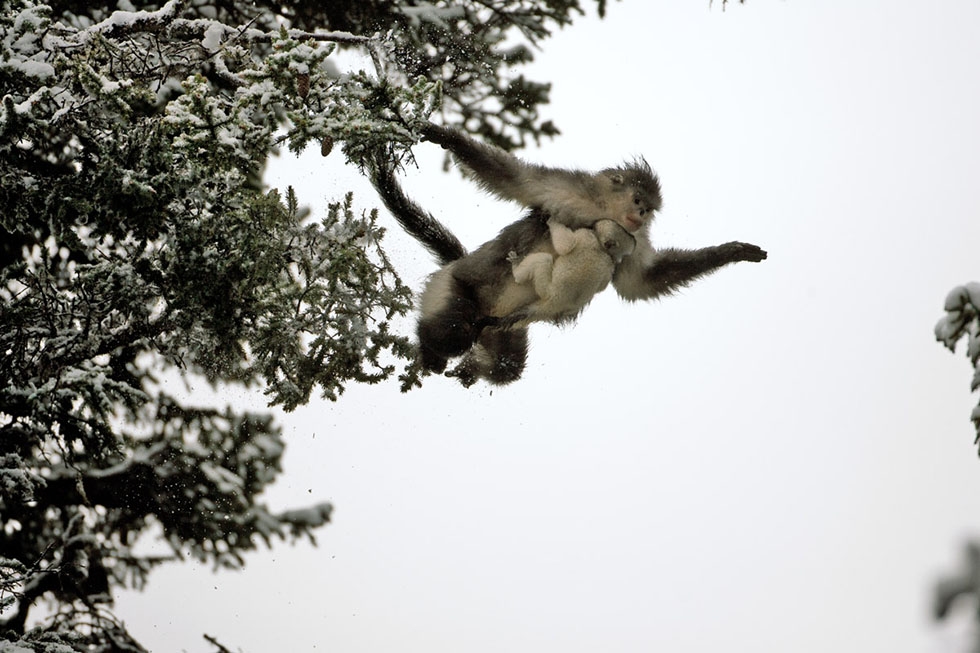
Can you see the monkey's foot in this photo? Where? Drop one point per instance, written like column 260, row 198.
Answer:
column 463, row 373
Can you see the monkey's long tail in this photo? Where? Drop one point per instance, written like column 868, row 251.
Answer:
column 421, row 225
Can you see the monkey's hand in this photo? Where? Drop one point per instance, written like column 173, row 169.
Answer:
column 513, row 258
column 736, row 251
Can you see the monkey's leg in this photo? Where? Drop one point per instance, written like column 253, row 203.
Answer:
column 510, row 348
column 499, row 356
column 449, row 329
column 673, row 269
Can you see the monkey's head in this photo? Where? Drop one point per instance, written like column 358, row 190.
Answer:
column 634, row 194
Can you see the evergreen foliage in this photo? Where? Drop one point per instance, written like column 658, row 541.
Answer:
column 137, row 242
column 962, row 320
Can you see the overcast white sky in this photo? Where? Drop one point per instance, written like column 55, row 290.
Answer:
column 778, row 459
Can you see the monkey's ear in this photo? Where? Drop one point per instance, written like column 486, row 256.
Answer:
column 616, row 178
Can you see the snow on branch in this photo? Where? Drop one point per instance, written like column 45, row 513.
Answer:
column 122, row 22
column 166, row 19
column 962, row 320
column 962, row 308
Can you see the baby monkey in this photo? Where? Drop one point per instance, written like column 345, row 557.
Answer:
column 566, row 281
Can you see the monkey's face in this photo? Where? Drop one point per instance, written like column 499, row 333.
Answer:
column 631, row 209
column 634, row 196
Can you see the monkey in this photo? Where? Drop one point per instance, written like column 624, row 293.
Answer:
column 566, row 282
column 473, row 305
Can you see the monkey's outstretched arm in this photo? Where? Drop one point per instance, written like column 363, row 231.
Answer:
column 510, row 178
column 649, row 274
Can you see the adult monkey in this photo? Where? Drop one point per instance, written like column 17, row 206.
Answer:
column 465, row 303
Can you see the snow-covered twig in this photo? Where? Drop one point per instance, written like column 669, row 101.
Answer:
column 963, row 319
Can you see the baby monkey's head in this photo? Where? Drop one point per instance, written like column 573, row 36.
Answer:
column 617, row 242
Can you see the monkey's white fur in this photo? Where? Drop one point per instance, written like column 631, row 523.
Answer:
column 581, row 267
column 553, row 283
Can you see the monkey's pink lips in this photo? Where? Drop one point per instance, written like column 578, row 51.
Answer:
column 633, row 223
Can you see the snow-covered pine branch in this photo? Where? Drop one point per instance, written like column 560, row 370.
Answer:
column 962, row 320
column 137, row 243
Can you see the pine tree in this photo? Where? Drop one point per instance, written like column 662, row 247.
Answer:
column 136, row 242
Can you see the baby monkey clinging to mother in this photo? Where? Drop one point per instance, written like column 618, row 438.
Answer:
column 548, row 265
